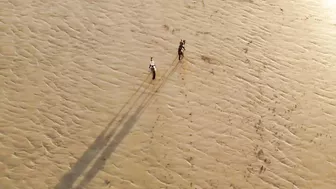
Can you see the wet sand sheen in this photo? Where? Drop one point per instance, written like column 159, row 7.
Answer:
column 252, row 104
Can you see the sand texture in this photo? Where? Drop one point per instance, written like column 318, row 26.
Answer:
column 251, row 106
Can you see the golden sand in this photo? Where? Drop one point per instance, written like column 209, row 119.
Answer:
column 251, row 106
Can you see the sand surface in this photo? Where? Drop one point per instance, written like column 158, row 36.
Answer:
column 251, row 106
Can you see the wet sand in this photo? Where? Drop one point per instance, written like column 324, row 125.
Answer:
column 252, row 104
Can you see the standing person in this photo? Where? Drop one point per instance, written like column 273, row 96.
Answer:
column 181, row 49
column 152, row 68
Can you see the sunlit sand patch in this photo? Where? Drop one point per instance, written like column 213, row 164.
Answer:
column 330, row 6
column 329, row 3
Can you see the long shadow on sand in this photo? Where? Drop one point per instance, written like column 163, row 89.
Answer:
column 107, row 141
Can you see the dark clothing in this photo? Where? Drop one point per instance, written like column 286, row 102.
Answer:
column 154, row 73
column 153, row 70
column 180, row 52
column 181, row 49
column 181, row 46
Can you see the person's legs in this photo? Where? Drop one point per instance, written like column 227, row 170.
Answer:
column 154, row 74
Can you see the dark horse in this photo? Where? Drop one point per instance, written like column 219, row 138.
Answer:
column 181, row 49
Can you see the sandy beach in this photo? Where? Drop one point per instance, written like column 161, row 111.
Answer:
column 252, row 105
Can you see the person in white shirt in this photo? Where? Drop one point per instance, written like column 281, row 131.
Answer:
column 152, row 68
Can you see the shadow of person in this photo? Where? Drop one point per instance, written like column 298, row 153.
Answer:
column 93, row 150
column 111, row 147
column 105, row 144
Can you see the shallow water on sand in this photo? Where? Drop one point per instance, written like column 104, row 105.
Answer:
column 252, row 104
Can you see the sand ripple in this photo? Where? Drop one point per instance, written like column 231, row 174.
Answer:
column 252, row 105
